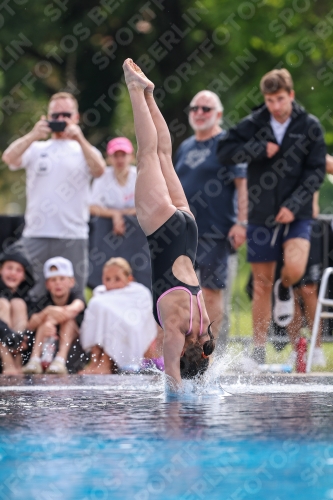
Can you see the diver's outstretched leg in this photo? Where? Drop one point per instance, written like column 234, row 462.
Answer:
column 164, row 151
column 152, row 200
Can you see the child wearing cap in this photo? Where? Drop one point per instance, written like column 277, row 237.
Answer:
column 118, row 325
column 113, row 193
column 16, row 281
column 58, row 315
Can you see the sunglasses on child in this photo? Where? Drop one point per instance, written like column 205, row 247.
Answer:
column 208, row 346
column 205, row 109
column 64, row 114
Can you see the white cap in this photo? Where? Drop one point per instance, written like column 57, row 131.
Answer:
column 63, row 266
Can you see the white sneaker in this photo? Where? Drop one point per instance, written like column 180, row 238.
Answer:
column 248, row 365
column 319, row 358
column 57, row 367
column 34, row 366
column 283, row 311
column 292, row 358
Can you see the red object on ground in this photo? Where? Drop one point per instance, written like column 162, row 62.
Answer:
column 301, row 349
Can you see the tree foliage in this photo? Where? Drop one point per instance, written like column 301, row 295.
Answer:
column 183, row 45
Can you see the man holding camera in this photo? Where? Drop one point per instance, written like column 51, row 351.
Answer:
column 59, row 172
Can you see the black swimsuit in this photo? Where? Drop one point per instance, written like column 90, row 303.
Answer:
column 177, row 236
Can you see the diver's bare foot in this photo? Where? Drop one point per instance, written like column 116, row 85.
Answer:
column 135, row 78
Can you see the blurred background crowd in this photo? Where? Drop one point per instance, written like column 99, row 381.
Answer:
column 80, row 231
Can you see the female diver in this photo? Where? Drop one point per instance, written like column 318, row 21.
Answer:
column 165, row 217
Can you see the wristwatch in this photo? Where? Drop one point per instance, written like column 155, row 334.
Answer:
column 242, row 223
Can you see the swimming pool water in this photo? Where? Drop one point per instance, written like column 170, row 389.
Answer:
column 120, row 437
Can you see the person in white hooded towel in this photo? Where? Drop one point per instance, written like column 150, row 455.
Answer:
column 118, row 326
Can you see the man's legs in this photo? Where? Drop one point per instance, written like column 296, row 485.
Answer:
column 263, row 278
column 37, row 250
column 297, row 321
column 309, row 295
column 295, row 258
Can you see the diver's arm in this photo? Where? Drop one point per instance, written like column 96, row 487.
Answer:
column 173, row 346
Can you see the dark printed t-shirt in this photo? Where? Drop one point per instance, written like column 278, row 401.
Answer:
column 208, row 185
column 46, row 300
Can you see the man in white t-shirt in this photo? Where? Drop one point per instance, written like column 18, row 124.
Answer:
column 59, row 171
column 113, row 193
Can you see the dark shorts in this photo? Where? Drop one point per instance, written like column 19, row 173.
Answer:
column 260, row 239
column 212, row 262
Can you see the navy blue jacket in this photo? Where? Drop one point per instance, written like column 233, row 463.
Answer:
column 290, row 177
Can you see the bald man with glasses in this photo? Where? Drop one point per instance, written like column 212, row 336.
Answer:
column 213, row 192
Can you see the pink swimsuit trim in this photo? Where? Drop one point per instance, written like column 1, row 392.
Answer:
column 191, row 306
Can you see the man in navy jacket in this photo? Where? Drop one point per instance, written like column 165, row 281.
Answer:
column 285, row 151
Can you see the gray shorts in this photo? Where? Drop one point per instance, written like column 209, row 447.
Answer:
column 38, row 250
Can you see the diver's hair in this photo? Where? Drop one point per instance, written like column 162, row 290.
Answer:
column 121, row 263
column 275, row 80
column 193, row 362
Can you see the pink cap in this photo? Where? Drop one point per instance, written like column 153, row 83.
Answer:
column 119, row 144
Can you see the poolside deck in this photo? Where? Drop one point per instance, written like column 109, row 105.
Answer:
column 102, row 382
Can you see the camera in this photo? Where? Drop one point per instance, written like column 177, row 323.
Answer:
column 57, row 126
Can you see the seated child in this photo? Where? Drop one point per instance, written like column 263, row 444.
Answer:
column 16, row 280
column 118, row 325
column 59, row 315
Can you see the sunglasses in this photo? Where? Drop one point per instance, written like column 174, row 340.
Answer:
column 208, row 346
column 205, row 109
column 64, row 114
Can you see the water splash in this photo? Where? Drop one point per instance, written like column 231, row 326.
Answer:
column 207, row 385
